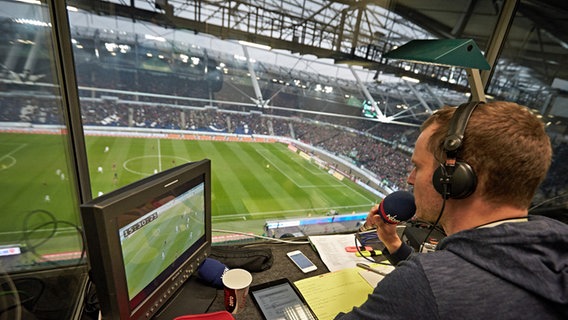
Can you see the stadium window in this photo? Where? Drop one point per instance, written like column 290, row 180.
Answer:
column 40, row 227
column 152, row 98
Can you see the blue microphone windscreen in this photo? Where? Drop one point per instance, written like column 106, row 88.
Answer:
column 397, row 206
column 211, row 272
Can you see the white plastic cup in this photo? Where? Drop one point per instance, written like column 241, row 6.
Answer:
column 236, row 283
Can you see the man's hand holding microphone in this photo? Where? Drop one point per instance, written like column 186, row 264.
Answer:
column 396, row 207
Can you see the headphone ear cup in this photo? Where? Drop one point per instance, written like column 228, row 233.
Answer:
column 439, row 179
column 460, row 184
column 464, row 181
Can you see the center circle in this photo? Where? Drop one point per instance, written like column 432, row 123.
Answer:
column 138, row 165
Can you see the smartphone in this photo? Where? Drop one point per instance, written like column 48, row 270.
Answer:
column 301, row 261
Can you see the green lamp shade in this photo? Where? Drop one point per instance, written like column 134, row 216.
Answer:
column 447, row 52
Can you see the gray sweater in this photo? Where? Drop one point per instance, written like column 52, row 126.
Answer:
column 510, row 271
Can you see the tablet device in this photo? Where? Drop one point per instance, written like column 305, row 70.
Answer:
column 280, row 300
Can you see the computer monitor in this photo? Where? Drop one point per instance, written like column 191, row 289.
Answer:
column 146, row 239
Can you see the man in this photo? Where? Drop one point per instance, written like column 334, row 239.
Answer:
column 497, row 262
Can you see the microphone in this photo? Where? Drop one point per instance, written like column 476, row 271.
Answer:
column 211, row 272
column 396, row 207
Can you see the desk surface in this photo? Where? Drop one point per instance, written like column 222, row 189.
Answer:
column 281, row 268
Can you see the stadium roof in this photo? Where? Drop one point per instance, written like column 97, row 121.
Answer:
column 339, row 29
column 532, row 57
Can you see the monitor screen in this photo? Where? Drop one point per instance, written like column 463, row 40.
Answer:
column 144, row 240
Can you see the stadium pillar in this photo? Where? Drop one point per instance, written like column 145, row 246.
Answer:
column 130, row 117
column 182, row 119
column 12, row 58
column 418, row 96
column 32, row 56
column 259, row 100
column 367, row 94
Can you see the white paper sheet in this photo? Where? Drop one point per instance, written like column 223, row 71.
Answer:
column 331, row 249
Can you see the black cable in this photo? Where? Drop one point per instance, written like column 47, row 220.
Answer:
column 27, row 291
column 26, row 227
column 28, row 232
column 548, row 200
column 9, row 297
column 433, row 226
column 91, row 304
column 368, row 237
column 359, row 244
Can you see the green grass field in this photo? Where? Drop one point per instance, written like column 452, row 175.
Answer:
column 251, row 182
column 37, row 201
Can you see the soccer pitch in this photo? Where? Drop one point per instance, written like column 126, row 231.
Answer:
column 251, row 182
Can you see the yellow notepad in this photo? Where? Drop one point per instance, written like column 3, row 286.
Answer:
column 331, row 293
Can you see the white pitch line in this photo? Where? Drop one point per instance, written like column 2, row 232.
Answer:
column 357, row 192
column 13, row 151
column 58, row 231
column 294, row 181
column 281, row 171
column 126, row 162
column 342, row 184
column 323, row 186
column 227, row 217
column 159, row 156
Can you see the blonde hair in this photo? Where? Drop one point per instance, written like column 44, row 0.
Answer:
column 505, row 144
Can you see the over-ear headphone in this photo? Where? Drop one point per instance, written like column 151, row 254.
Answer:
column 456, row 179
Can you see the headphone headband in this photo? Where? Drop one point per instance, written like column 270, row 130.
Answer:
column 457, row 126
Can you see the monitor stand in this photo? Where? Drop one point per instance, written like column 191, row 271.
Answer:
column 193, row 297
